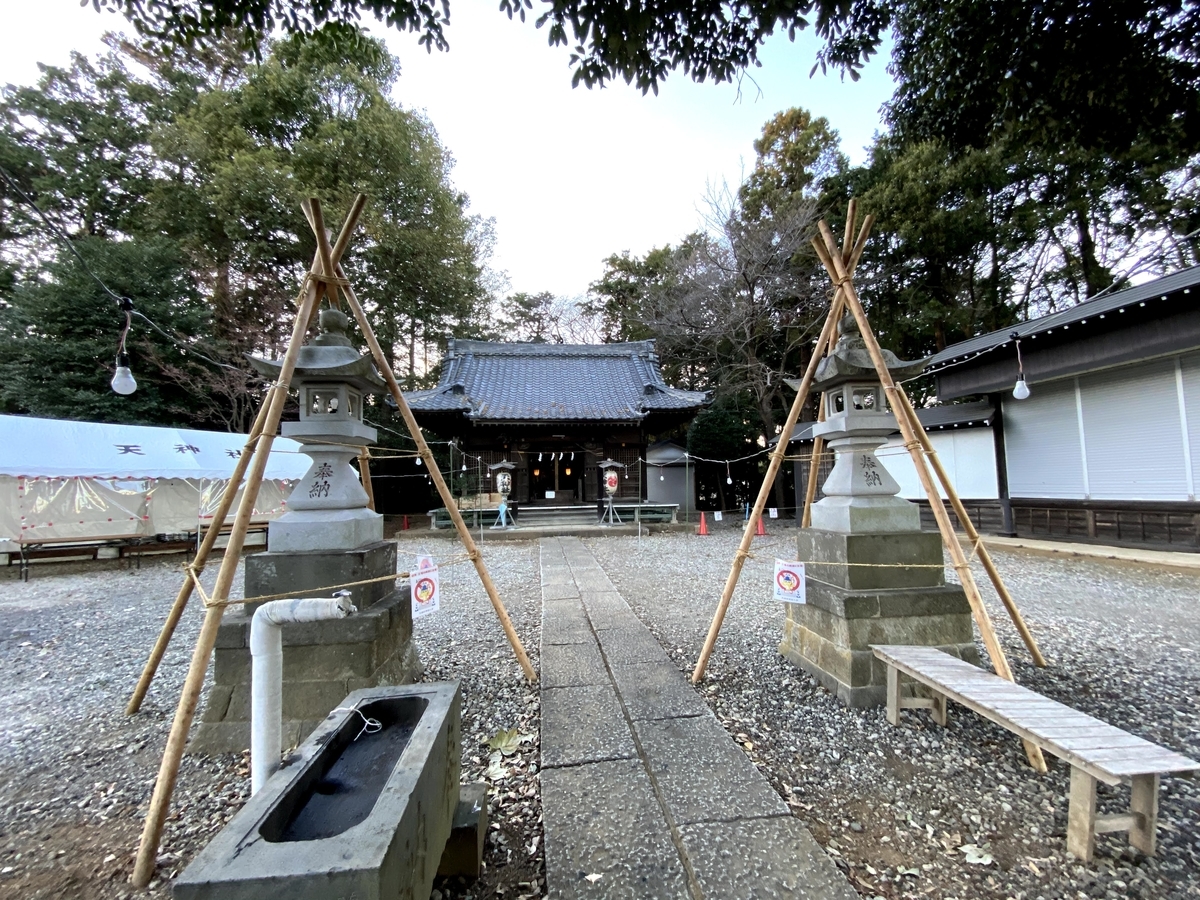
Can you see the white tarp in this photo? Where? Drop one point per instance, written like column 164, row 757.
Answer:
column 81, row 481
column 45, row 447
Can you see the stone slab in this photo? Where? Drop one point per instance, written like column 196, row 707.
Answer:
column 762, row 859
column 564, row 622
column 311, row 573
column 921, row 550
column 572, row 665
column 603, row 819
column 631, row 644
column 335, row 529
column 582, row 725
column 463, row 855
column 564, row 591
column 704, row 776
column 657, row 691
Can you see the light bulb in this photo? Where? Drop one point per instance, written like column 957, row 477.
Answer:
column 1021, row 389
column 539, row 457
column 728, row 480
column 464, row 468
column 123, row 381
column 418, row 460
column 662, row 477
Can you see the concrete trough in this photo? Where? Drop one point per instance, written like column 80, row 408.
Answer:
column 353, row 813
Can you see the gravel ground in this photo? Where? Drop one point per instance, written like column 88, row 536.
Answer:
column 897, row 808
column 920, row 811
column 76, row 773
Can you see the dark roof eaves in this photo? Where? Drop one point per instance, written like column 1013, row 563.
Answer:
column 1160, row 288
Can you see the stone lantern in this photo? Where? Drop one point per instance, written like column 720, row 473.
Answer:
column 328, row 510
column 860, row 495
column 327, row 539
column 872, row 575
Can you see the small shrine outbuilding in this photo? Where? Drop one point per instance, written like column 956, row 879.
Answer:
column 555, row 411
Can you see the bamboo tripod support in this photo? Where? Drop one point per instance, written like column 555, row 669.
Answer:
column 197, row 565
column 364, row 472
column 910, row 427
column 206, row 547
column 464, row 533
column 973, row 535
column 322, row 279
column 785, row 435
column 168, row 771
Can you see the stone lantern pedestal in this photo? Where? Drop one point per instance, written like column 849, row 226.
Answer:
column 871, row 575
column 327, row 537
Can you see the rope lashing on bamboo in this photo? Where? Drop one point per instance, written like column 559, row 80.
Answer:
column 321, row 278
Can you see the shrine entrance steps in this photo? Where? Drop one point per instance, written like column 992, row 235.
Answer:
column 644, row 794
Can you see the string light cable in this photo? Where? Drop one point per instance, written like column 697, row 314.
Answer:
column 123, row 381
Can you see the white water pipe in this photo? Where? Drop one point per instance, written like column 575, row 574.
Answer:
column 266, row 688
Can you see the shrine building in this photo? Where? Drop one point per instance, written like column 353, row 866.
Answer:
column 555, row 411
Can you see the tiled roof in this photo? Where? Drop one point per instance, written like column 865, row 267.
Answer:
column 1096, row 308
column 500, row 382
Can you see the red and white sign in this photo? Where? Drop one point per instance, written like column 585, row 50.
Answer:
column 426, row 589
column 789, row 581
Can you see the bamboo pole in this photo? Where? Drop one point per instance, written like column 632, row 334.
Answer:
column 168, row 771
column 435, row 474
column 776, row 457
column 364, row 471
column 205, row 549
column 831, row 259
column 810, row 491
column 206, row 546
column 973, row 534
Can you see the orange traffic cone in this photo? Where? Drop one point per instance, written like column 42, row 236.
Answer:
column 759, row 530
column 703, row 525
column 404, row 527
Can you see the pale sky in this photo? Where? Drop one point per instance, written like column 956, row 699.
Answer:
column 570, row 175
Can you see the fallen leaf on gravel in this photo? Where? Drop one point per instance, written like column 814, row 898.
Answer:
column 495, row 770
column 975, row 855
column 508, row 742
column 1034, row 869
column 905, row 870
column 593, row 878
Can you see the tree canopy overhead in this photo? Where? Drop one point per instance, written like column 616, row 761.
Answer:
column 178, row 177
column 637, row 42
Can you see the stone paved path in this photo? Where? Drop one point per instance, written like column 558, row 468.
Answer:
column 641, row 786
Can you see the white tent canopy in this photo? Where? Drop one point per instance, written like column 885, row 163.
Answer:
column 55, row 447
column 87, row 481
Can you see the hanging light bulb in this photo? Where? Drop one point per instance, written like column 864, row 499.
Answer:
column 539, row 457
column 123, row 381
column 661, row 476
column 464, row 468
column 728, row 475
column 572, row 456
column 1020, row 389
column 418, row 460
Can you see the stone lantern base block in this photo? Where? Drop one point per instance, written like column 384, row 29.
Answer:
column 865, row 514
column 322, row 661
column 850, row 608
column 333, row 529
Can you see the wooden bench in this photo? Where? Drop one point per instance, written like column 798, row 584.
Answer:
column 1096, row 750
